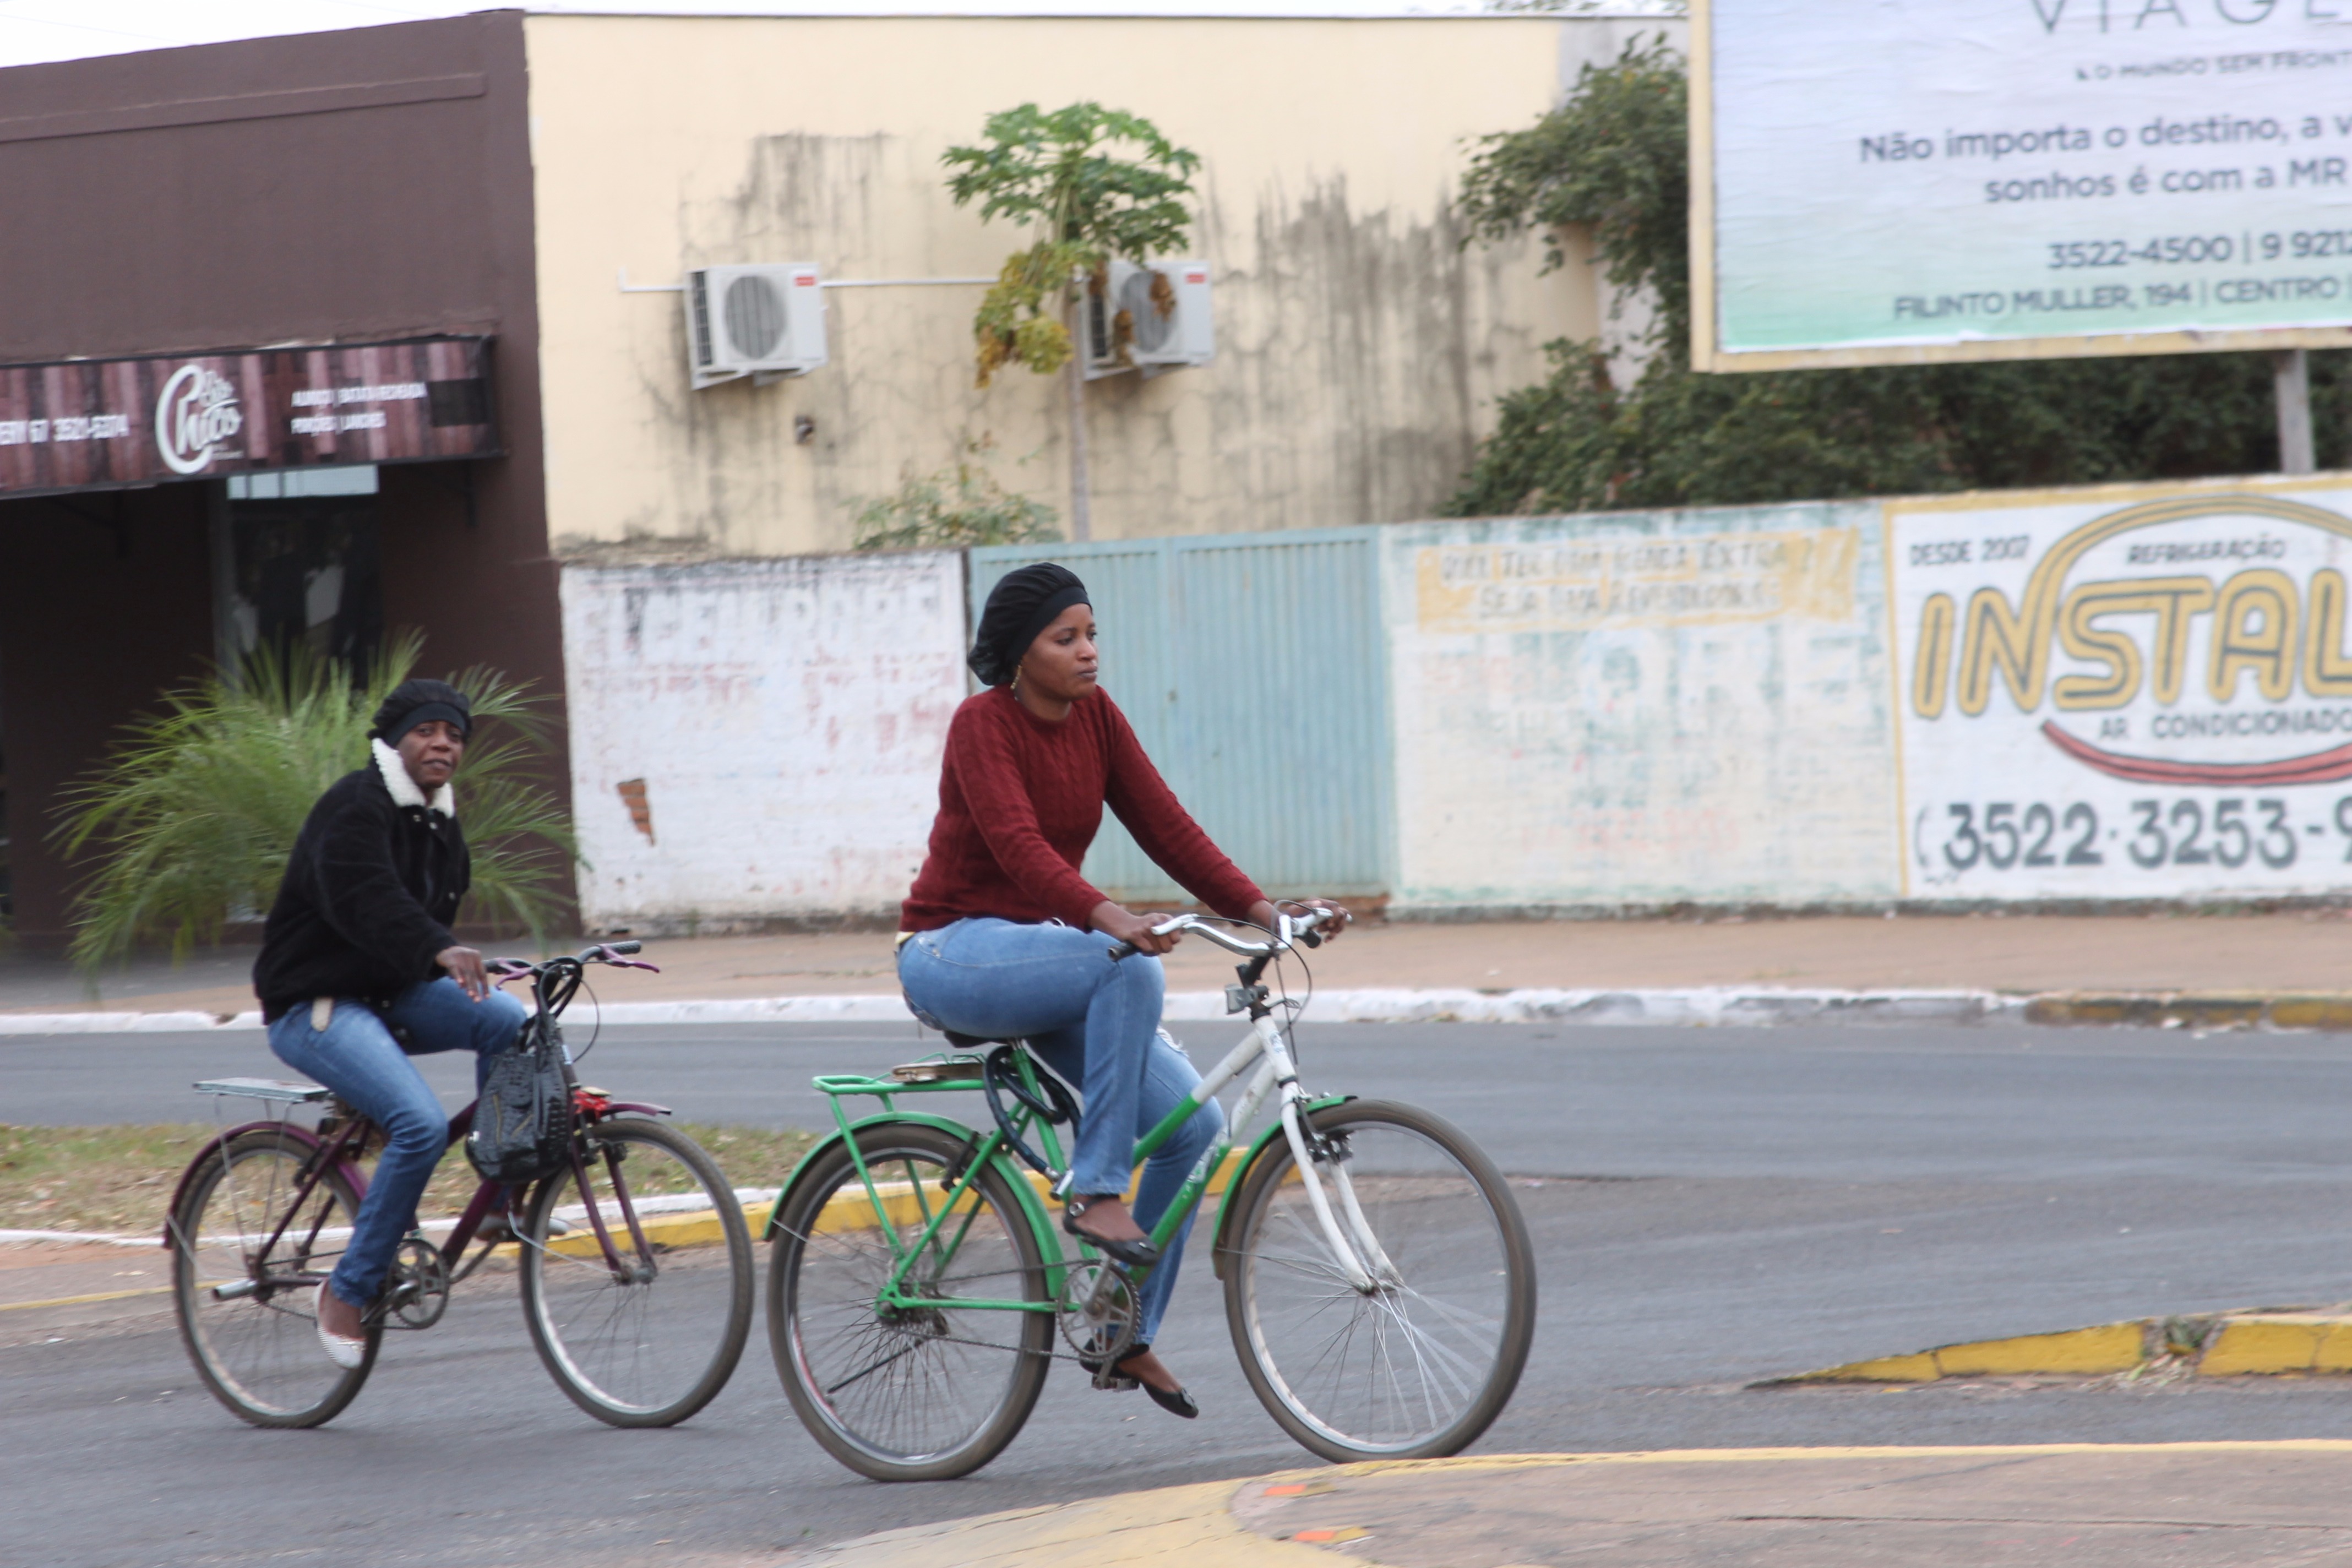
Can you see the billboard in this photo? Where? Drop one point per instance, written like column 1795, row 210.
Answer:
column 111, row 424
column 1883, row 182
column 2124, row 695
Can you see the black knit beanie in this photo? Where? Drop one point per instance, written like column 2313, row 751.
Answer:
column 1022, row 603
column 414, row 702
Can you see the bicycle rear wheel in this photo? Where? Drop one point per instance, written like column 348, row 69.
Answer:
column 649, row 1333
column 1418, row 1365
column 899, row 1395
column 248, row 1252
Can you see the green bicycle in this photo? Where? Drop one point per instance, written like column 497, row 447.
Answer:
column 1379, row 1282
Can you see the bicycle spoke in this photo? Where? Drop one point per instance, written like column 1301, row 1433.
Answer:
column 257, row 1350
column 900, row 1391
column 647, row 1336
column 1419, row 1362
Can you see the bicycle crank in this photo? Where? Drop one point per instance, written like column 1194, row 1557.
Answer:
column 419, row 1292
column 1098, row 1312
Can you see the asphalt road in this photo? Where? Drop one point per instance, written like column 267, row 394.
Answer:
column 1713, row 1207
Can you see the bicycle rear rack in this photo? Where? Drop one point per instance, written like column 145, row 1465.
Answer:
column 266, row 1089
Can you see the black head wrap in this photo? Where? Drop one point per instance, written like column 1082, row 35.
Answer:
column 1022, row 603
column 414, row 702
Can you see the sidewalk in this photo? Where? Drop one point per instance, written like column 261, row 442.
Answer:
column 2257, row 954
column 2218, row 1505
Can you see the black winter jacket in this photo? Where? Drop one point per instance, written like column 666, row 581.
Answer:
column 369, row 895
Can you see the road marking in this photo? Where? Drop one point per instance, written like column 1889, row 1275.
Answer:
column 79, row 1300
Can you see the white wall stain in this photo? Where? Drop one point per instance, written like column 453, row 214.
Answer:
column 1677, row 746
column 786, row 719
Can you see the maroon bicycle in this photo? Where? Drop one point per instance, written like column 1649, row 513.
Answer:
column 634, row 1259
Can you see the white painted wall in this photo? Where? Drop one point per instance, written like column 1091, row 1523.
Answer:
column 786, row 717
column 1635, row 708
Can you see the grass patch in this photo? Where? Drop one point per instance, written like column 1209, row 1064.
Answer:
column 120, row 1178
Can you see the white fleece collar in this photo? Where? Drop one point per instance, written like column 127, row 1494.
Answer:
column 403, row 789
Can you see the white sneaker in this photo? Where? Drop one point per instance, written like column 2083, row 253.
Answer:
column 345, row 1353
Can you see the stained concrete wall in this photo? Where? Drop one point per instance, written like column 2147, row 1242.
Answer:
column 757, row 740
column 1630, row 708
column 1597, row 711
column 1361, row 347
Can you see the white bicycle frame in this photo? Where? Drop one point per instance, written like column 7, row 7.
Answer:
column 1353, row 1247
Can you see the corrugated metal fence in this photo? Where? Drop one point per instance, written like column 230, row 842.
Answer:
column 1253, row 668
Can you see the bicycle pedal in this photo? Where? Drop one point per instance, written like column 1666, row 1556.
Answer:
column 1114, row 1382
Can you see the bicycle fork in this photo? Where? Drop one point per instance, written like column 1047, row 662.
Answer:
column 1354, row 1249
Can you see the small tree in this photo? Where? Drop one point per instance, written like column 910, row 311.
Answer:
column 959, row 506
column 1058, row 173
column 195, row 811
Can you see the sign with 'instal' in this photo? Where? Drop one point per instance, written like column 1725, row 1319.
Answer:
column 2125, row 696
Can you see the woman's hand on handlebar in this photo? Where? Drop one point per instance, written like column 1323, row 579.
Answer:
column 463, row 966
column 1336, row 919
column 1125, row 925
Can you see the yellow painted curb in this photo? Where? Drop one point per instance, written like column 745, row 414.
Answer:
column 1174, row 1525
column 2227, row 1344
column 1196, row 1524
column 2195, row 1009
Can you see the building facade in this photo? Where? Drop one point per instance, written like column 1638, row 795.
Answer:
column 328, row 337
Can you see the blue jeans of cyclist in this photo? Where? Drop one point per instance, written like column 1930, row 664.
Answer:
column 360, row 1058
column 1096, row 1024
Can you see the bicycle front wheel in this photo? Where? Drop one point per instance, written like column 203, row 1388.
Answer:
column 1416, row 1363
column 909, row 1392
column 251, row 1245
column 641, row 1307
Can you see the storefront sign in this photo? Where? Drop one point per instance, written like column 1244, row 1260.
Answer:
column 102, row 424
column 2126, row 699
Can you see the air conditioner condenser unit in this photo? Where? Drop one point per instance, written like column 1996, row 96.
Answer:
column 765, row 320
column 1152, row 317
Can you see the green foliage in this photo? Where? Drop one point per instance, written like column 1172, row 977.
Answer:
column 959, row 506
column 1614, row 160
column 193, row 813
column 1061, row 175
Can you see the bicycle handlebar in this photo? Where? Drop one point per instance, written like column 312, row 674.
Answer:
column 612, row 952
column 1291, row 927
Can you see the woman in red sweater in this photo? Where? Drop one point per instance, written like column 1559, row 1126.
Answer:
column 1001, row 937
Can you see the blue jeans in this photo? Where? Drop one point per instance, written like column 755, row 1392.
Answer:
column 358, row 1057
column 1096, row 1024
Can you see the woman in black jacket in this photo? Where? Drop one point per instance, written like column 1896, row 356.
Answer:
column 358, row 944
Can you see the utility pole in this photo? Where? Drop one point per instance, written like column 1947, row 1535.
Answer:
column 2291, row 377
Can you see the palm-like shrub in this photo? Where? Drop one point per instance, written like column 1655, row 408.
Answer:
column 193, row 813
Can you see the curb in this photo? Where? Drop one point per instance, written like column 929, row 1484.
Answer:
column 1705, row 1004
column 2256, row 1342
column 1687, row 1007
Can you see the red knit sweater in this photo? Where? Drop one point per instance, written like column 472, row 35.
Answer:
column 1021, row 799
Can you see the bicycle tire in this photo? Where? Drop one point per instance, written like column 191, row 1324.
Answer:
column 259, row 1353
column 630, row 1349
column 1462, row 1298
column 927, row 1416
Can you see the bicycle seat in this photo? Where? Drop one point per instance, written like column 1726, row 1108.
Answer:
column 975, row 1042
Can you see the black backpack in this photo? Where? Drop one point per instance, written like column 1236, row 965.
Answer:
column 522, row 1124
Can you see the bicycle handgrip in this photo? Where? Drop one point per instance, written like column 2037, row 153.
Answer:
column 622, row 949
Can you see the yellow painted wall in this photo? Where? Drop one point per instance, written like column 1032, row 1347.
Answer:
column 1359, row 348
